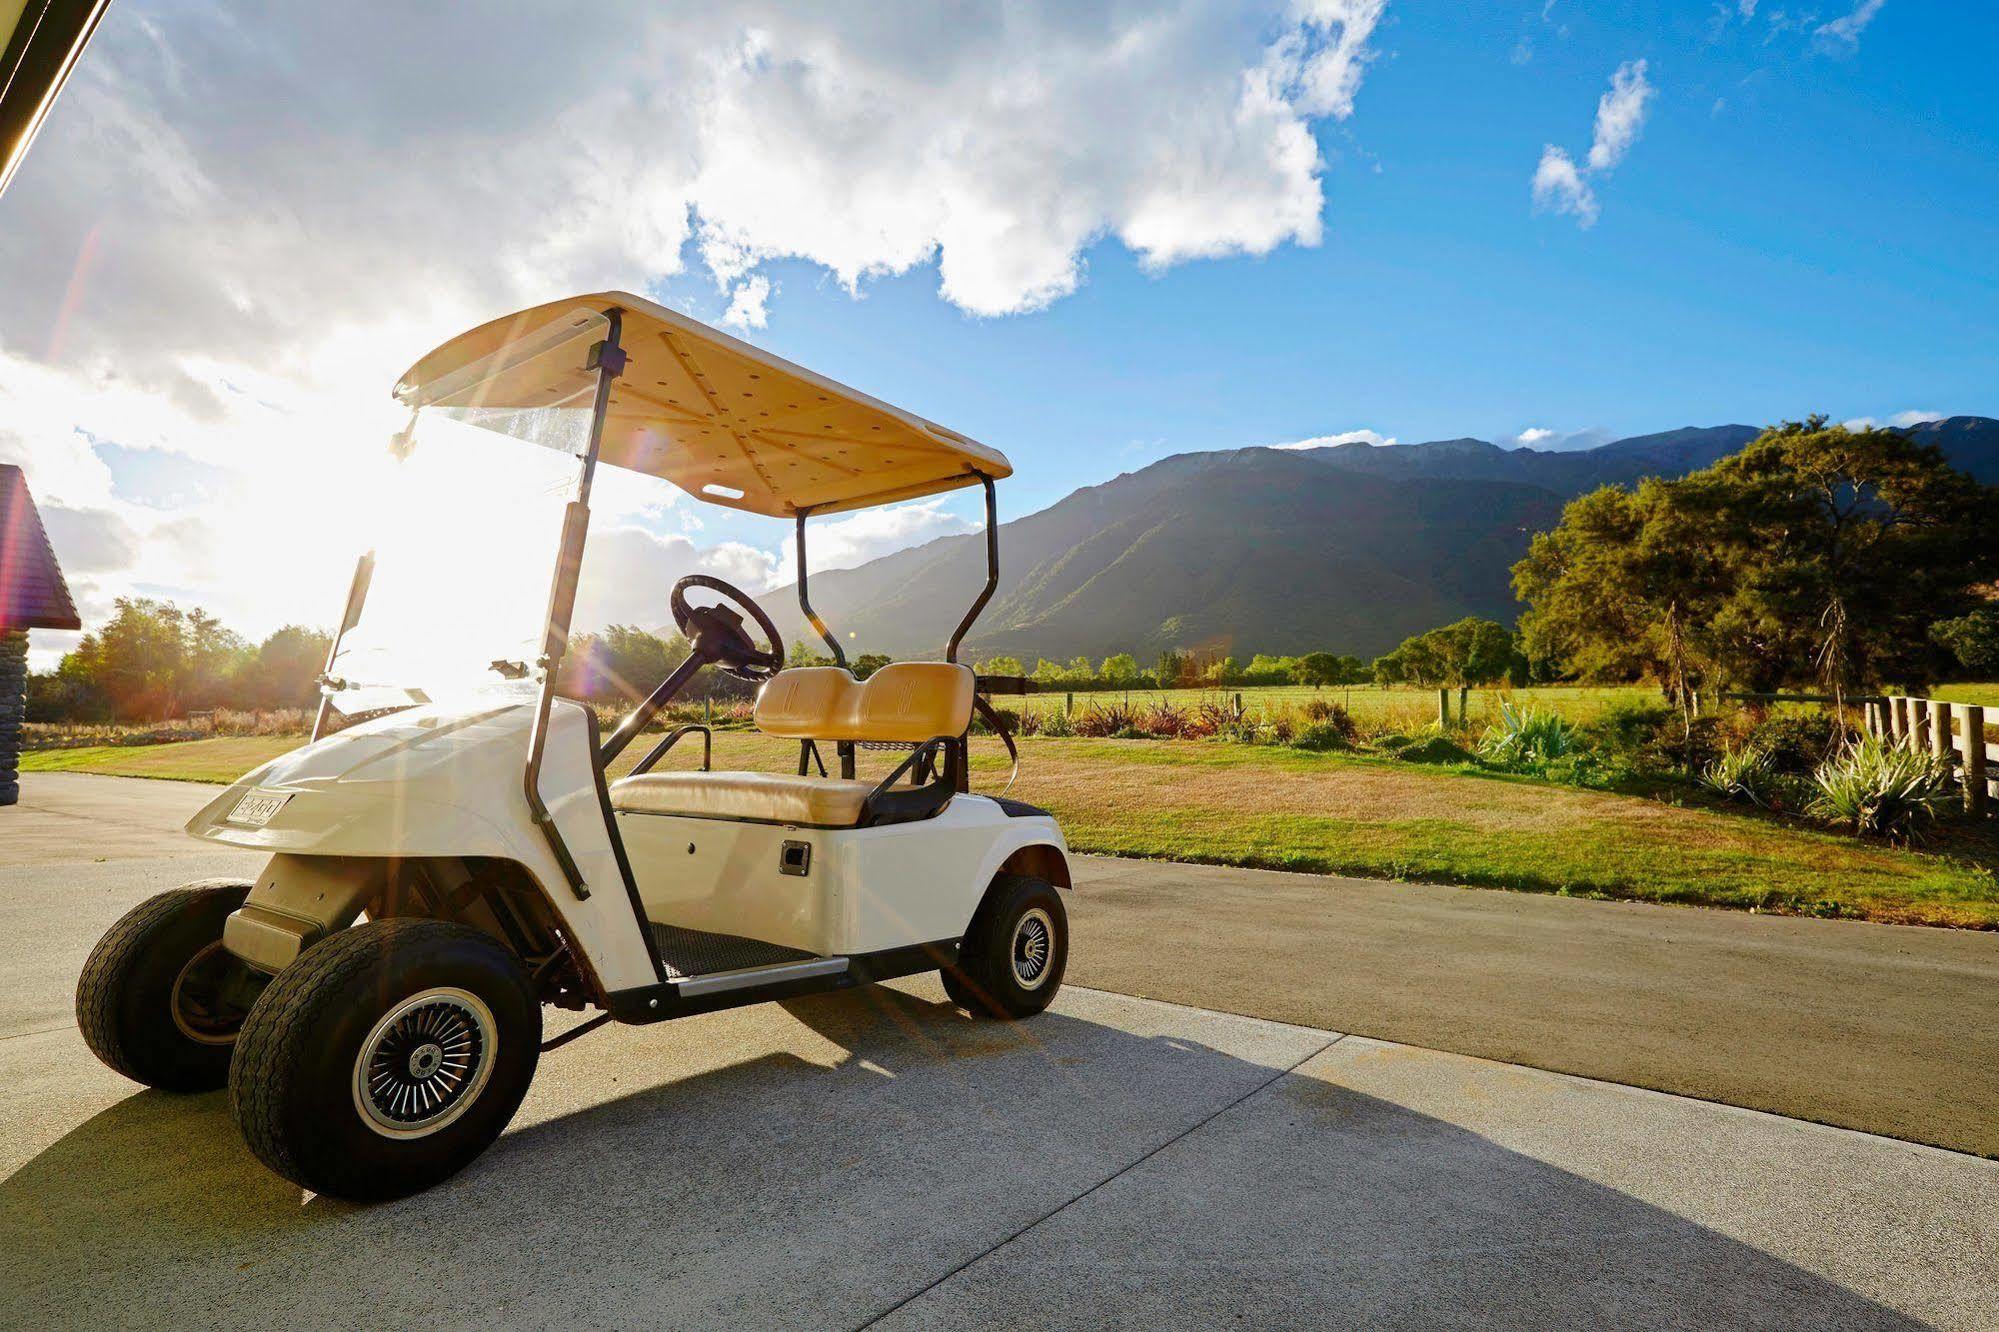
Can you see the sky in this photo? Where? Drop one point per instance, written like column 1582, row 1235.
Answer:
column 1088, row 234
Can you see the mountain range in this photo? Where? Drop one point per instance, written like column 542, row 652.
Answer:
column 1348, row 548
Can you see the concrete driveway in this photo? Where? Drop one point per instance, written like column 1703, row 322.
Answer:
column 877, row 1157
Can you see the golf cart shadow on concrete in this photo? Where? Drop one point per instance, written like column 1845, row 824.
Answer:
column 820, row 1172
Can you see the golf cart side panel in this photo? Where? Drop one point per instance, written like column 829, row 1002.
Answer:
column 725, row 877
column 925, row 880
column 442, row 782
column 849, row 891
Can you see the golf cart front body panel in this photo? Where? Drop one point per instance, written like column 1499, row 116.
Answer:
column 445, row 781
column 828, row 891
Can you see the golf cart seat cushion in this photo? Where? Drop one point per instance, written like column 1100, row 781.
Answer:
column 760, row 796
column 905, row 702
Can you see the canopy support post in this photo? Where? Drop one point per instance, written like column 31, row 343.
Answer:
column 992, row 569
column 609, row 362
column 839, row 657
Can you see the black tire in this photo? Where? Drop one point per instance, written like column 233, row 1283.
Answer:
column 147, row 1000
column 1011, row 961
column 294, row 1086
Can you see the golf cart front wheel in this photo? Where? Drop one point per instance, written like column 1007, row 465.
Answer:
column 1011, row 961
column 386, row 1058
column 159, row 999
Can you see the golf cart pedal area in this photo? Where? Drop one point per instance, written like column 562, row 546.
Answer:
column 687, row 953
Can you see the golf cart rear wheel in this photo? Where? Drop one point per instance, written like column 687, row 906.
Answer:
column 386, row 1058
column 159, row 1000
column 1011, row 962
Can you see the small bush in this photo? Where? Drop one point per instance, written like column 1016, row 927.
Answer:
column 1798, row 742
column 1163, row 719
column 1884, row 789
column 1323, row 736
column 1676, row 746
column 1283, row 727
column 1104, row 720
column 1318, row 709
column 1740, row 775
column 1392, row 740
column 1435, row 749
column 1009, row 719
column 1054, row 723
column 1626, row 727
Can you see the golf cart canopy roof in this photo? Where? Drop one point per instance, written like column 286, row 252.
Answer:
column 726, row 422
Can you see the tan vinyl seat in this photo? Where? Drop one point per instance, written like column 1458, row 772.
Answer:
column 764, row 797
column 906, row 702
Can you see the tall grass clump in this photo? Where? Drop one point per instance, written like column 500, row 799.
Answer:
column 1528, row 739
column 1877, row 787
column 1740, row 774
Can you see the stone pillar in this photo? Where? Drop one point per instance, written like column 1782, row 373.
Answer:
column 13, row 708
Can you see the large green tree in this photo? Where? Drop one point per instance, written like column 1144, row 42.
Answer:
column 153, row 660
column 1817, row 555
column 1470, row 652
column 1849, row 544
column 1628, row 586
column 1973, row 640
column 283, row 671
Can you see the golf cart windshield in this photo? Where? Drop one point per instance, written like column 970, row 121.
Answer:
column 464, row 538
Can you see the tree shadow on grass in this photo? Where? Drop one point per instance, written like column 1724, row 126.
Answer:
column 822, row 1177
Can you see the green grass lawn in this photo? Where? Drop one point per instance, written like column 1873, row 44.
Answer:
column 1342, row 813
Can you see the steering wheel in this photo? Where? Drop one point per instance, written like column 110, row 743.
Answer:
column 717, row 632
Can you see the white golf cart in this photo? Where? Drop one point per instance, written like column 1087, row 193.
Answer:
column 492, row 867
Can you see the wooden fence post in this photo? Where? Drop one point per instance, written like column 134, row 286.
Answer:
column 1974, row 759
column 1443, row 709
column 1943, row 737
column 1919, row 723
column 1898, row 718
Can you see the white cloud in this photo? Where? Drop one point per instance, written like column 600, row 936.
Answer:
column 1620, row 114
column 1560, row 441
column 1560, row 185
column 853, row 540
column 233, row 236
column 1902, row 419
column 1845, row 31
column 1747, row 8
column 1344, row 437
column 629, row 573
column 747, row 304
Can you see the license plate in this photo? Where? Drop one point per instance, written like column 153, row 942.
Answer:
column 257, row 808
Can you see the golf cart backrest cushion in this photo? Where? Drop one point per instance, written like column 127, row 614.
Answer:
column 905, row 701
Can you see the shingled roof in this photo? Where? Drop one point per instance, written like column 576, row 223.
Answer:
column 32, row 592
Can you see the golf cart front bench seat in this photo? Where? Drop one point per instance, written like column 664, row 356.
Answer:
column 906, row 702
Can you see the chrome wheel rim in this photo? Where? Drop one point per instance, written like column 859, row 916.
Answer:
column 1033, row 948
column 425, row 1062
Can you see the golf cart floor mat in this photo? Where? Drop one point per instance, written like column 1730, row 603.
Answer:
column 698, row 953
